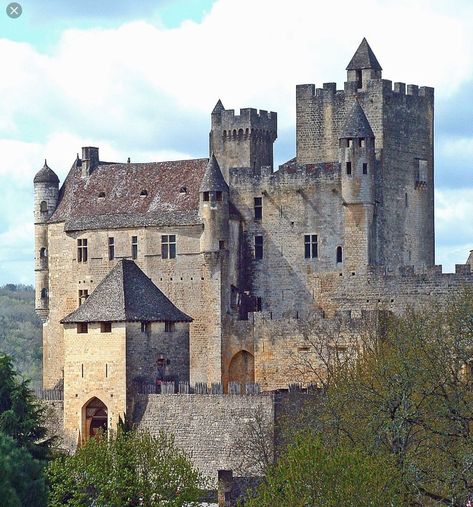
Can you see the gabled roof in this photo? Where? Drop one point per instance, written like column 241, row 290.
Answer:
column 357, row 124
column 127, row 194
column 46, row 175
column 213, row 180
column 364, row 58
column 126, row 294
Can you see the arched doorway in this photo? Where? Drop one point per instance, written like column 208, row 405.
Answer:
column 242, row 368
column 96, row 417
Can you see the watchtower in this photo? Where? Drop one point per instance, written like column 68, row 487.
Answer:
column 244, row 140
column 402, row 120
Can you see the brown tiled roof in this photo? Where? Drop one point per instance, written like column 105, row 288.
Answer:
column 111, row 195
column 126, row 294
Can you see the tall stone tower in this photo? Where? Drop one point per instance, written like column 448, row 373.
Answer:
column 402, row 120
column 244, row 140
column 46, row 191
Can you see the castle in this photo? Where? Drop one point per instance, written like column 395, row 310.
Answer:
column 211, row 271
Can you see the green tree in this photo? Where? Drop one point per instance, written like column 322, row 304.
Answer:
column 127, row 469
column 309, row 473
column 408, row 397
column 21, row 477
column 21, row 415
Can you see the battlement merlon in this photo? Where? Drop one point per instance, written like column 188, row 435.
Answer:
column 249, row 118
column 309, row 91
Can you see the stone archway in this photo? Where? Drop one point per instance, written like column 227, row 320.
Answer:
column 96, row 417
column 242, row 368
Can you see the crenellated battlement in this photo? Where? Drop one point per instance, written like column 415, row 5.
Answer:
column 249, row 118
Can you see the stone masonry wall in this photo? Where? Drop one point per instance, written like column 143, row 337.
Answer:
column 205, row 426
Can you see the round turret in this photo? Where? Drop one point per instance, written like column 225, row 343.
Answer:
column 46, row 175
column 46, row 192
column 213, row 208
column 357, row 158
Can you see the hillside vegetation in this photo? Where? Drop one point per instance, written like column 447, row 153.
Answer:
column 20, row 330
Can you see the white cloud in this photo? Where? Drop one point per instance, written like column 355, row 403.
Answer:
column 143, row 91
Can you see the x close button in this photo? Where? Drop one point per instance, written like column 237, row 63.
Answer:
column 14, row 10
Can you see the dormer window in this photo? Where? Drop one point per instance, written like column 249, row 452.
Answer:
column 206, row 196
column 144, row 193
column 101, row 195
column 362, row 142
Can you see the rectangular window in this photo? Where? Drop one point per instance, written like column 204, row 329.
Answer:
column 169, row 326
column 258, row 247
column 82, row 327
column 206, row 196
column 258, row 206
column 111, row 249
column 221, row 245
column 421, row 176
column 348, row 166
column 349, row 143
column 365, row 168
column 105, row 327
column 134, row 247
column 83, row 295
column 168, row 246
column 81, row 250
column 310, row 246
column 146, row 327
column 361, row 142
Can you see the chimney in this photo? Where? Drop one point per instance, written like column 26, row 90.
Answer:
column 90, row 160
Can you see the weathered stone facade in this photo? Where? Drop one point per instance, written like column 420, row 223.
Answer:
column 253, row 256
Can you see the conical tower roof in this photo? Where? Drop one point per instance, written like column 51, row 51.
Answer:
column 364, row 58
column 126, row 294
column 357, row 124
column 46, row 175
column 218, row 107
column 213, row 180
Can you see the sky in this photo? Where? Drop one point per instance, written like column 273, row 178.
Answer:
column 140, row 78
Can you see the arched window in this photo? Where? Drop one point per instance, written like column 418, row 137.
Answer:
column 43, row 253
column 43, row 207
column 242, row 368
column 339, row 254
column 44, row 293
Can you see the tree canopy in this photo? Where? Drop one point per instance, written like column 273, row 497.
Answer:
column 127, row 469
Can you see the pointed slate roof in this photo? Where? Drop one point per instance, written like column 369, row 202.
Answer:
column 213, row 180
column 218, row 107
column 46, row 175
column 126, row 294
column 364, row 58
column 357, row 124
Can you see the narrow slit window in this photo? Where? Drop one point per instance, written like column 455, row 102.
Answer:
column 339, row 254
column 361, row 142
column 146, row 327
column 221, row 245
column 169, row 327
column 111, row 249
column 258, row 207
column 258, row 304
column 258, row 247
column 83, row 295
column 310, row 246
column 365, row 168
column 134, row 247
column 348, row 168
column 82, row 250
column 168, row 246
